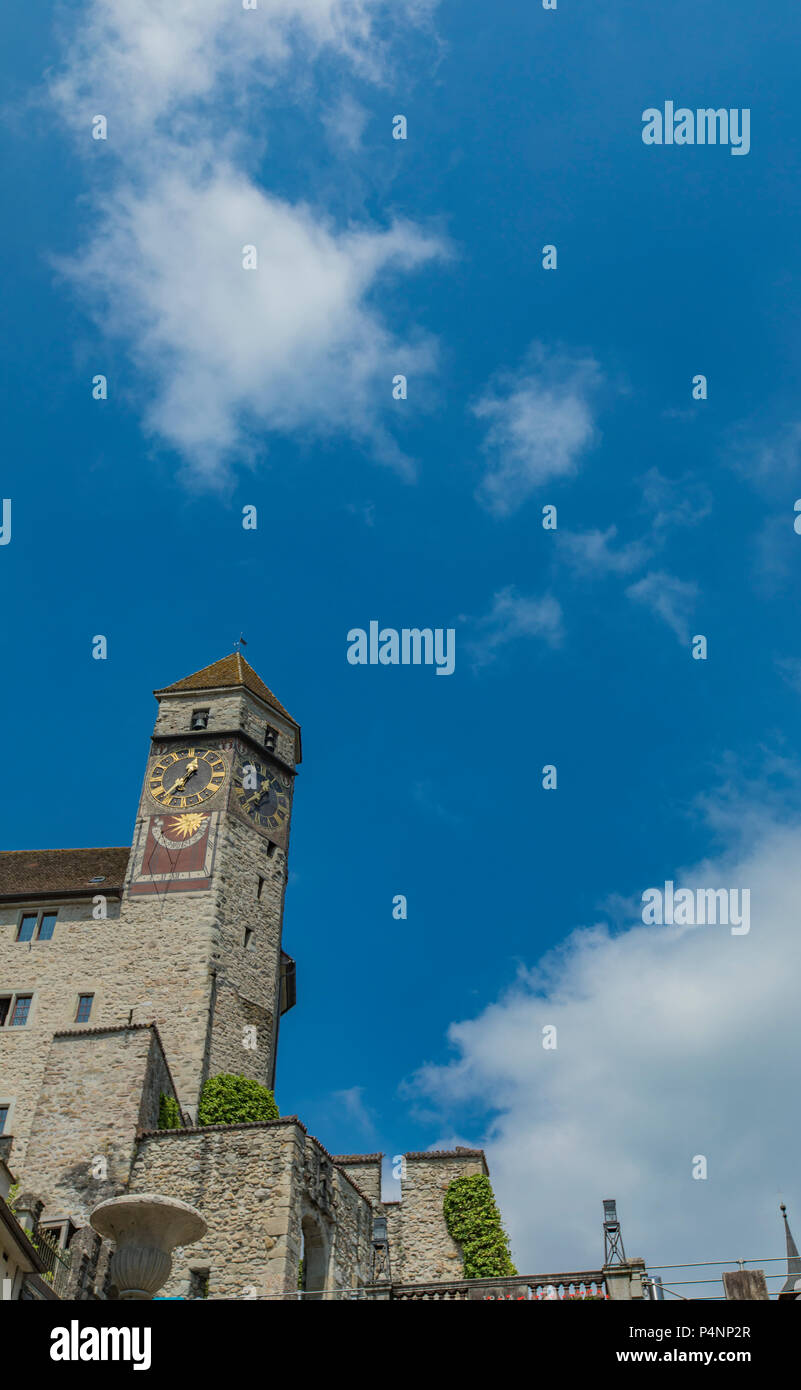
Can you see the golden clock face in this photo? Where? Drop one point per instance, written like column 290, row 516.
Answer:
column 262, row 792
column 186, row 777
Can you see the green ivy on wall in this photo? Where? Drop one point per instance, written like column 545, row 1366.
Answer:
column 169, row 1112
column 474, row 1221
column 231, row 1100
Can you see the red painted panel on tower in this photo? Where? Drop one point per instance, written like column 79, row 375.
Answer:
column 174, row 853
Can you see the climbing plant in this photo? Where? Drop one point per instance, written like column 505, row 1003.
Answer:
column 231, row 1100
column 169, row 1112
column 474, row 1221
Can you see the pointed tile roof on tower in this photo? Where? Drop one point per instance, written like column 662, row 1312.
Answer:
column 793, row 1284
column 229, row 670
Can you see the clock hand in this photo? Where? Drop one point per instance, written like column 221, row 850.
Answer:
column 177, row 786
column 191, row 768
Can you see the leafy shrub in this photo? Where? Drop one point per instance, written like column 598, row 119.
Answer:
column 231, row 1100
column 473, row 1220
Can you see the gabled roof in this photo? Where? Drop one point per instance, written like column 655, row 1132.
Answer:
column 229, row 670
column 33, row 873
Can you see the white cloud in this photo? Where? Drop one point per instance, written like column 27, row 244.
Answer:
column 592, row 552
column 292, row 345
column 772, row 464
column 673, row 501
column 427, row 797
column 774, row 548
column 669, row 502
column 790, row 669
column 672, row 1042
column 514, row 616
column 345, row 123
column 539, row 423
column 227, row 355
column 670, row 598
column 145, row 65
column 356, row 1110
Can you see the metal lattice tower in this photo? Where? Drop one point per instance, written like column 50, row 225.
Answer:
column 614, row 1254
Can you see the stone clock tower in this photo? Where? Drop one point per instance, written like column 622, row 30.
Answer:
column 204, row 893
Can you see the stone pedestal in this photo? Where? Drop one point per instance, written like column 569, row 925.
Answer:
column 625, row 1281
column 146, row 1230
column 745, row 1283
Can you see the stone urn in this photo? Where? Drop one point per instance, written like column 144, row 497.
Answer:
column 146, row 1229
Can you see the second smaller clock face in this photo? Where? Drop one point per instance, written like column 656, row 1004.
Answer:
column 186, row 777
column 262, row 792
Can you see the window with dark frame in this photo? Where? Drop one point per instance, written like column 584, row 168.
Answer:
column 5, row 1005
column 85, row 1002
column 248, row 936
column 4, row 1112
column 22, row 1007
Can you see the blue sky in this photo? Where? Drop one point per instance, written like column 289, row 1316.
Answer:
column 526, row 387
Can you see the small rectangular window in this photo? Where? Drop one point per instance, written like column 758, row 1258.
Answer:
column 22, row 1007
column 248, row 936
column 47, row 926
column 4, row 1109
column 5, row 1005
column 271, row 848
column 84, row 1008
column 198, row 1283
column 261, row 885
column 27, row 926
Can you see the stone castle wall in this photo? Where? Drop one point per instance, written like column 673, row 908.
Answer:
column 98, row 1088
column 365, row 1171
column 260, row 1187
column 426, row 1250
column 247, row 979
column 265, row 1189
column 76, row 960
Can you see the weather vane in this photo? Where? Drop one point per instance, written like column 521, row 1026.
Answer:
column 240, row 642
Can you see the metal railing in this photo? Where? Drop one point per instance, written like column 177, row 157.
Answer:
column 55, row 1260
column 675, row 1286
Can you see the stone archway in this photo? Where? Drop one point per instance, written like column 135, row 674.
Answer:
column 315, row 1255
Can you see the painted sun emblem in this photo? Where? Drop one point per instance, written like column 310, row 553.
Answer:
column 185, row 825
